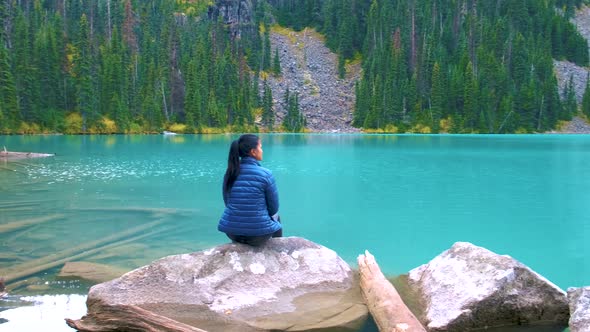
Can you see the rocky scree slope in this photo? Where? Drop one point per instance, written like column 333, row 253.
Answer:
column 311, row 69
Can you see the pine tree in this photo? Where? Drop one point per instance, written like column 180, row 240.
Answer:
column 255, row 99
column 345, row 46
column 341, row 66
column 520, row 68
column 586, row 99
column 437, row 97
column 8, row 97
column 361, row 105
column 23, row 73
column 374, row 118
column 266, row 54
column 268, row 116
column 276, row 63
column 470, row 105
column 294, row 120
column 217, row 117
column 570, row 105
column 84, row 77
column 191, row 108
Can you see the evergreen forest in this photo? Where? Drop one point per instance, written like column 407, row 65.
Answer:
column 131, row 66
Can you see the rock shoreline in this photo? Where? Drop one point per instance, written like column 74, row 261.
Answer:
column 292, row 284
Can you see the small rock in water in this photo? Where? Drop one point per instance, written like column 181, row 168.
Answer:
column 90, row 271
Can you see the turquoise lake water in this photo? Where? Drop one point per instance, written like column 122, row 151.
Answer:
column 405, row 198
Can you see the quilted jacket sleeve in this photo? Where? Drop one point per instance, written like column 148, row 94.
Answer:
column 272, row 196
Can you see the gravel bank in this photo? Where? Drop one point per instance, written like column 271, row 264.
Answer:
column 310, row 68
column 576, row 126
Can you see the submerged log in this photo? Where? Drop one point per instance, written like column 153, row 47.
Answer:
column 93, row 272
column 127, row 318
column 15, row 225
column 385, row 305
column 81, row 251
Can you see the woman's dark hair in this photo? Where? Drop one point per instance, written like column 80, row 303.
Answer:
column 239, row 148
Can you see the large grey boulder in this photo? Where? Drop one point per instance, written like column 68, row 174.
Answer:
column 469, row 287
column 289, row 284
column 579, row 301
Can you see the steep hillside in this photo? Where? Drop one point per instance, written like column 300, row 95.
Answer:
column 565, row 70
column 310, row 69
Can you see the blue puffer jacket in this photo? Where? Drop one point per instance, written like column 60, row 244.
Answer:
column 250, row 202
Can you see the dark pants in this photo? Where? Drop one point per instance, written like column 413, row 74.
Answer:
column 255, row 240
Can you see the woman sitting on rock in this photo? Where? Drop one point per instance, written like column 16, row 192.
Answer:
column 250, row 195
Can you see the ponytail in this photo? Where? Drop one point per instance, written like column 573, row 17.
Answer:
column 239, row 148
column 233, row 166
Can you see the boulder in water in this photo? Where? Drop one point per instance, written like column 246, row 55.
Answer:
column 469, row 287
column 286, row 284
column 579, row 302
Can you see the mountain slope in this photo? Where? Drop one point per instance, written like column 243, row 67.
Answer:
column 565, row 69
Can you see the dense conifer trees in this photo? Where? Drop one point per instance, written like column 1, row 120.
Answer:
column 294, row 121
column 95, row 66
column 586, row 99
column 452, row 65
column 90, row 66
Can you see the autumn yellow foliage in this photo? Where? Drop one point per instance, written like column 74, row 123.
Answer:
column 73, row 123
column 420, row 129
column 180, row 128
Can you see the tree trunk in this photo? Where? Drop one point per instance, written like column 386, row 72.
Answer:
column 109, row 27
column 126, row 318
column 385, row 305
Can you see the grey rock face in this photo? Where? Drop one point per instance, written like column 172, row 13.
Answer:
column 565, row 70
column 579, row 302
column 289, row 283
column 469, row 287
column 237, row 14
column 582, row 21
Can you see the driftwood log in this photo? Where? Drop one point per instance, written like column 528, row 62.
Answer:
column 385, row 305
column 22, row 155
column 127, row 318
column 2, row 288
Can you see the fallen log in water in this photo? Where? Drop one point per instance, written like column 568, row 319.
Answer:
column 385, row 305
column 127, row 318
column 11, row 155
column 72, row 254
